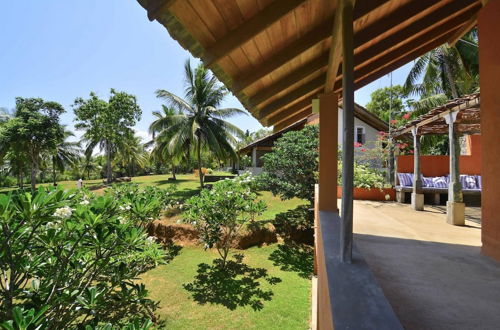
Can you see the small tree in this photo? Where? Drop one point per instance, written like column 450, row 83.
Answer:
column 33, row 130
column 291, row 169
column 220, row 213
column 106, row 123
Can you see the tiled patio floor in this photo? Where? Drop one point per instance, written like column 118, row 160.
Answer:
column 432, row 273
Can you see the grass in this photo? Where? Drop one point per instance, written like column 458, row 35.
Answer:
column 289, row 307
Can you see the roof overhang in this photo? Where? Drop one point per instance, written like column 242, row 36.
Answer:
column 275, row 56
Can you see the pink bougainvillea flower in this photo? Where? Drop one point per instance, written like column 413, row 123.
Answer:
column 364, row 149
column 357, row 145
column 394, row 121
column 411, row 151
column 406, row 116
column 382, row 133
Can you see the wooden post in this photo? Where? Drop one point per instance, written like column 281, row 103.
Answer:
column 417, row 197
column 348, row 133
column 455, row 208
column 327, row 107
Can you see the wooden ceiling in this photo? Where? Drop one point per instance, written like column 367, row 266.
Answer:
column 274, row 54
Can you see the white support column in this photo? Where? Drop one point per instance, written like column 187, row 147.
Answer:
column 417, row 197
column 455, row 207
column 254, row 157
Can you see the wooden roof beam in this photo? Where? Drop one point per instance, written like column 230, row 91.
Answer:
column 301, row 73
column 293, row 96
column 441, row 16
column 295, row 118
column 394, row 60
column 299, row 46
column 460, row 33
column 288, row 112
column 156, row 8
column 335, row 53
column 249, row 29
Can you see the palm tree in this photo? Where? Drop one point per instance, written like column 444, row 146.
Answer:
column 131, row 153
column 88, row 165
column 162, row 137
column 198, row 123
column 444, row 73
column 65, row 153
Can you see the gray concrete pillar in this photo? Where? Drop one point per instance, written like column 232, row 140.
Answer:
column 417, row 197
column 254, row 157
column 455, row 207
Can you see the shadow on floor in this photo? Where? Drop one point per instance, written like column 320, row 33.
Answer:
column 235, row 285
column 297, row 258
column 434, row 285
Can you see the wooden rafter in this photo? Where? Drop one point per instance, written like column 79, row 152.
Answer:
column 335, row 53
column 158, row 7
column 301, row 73
column 291, row 120
column 288, row 112
column 249, row 29
column 293, row 96
column 294, row 49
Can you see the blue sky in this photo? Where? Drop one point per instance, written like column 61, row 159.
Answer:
column 60, row 50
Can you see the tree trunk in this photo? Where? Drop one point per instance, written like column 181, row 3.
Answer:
column 173, row 172
column 451, row 81
column 33, row 175
column 199, row 162
column 54, row 172
column 109, row 173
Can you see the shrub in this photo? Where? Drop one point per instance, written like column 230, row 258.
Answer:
column 142, row 205
column 289, row 223
column 71, row 256
column 364, row 177
column 220, row 213
column 291, row 169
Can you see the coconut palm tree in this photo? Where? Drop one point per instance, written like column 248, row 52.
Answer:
column 198, row 122
column 65, row 153
column 444, row 73
column 130, row 154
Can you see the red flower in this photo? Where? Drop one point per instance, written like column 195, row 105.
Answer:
column 363, row 150
column 411, row 151
column 357, row 145
column 381, row 133
column 393, row 121
column 406, row 116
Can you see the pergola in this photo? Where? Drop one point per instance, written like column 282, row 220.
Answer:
column 456, row 117
column 277, row 56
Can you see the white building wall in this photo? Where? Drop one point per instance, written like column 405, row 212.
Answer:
column 371, row 134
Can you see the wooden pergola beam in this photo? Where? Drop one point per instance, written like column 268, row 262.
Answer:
column 156, row 8
column 288, row 112
column 293, row 96
column 460, row 33
column 308, row 40
column 249, row 29
column 301, row 73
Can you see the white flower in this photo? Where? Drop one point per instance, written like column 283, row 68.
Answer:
column 387, row 197
column 124, row 208
column 63, row 212
column 84, row 202
column 151, row 239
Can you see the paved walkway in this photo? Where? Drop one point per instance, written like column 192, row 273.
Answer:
column 432, row 273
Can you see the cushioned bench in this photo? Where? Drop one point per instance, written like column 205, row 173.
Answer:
column 471, row 185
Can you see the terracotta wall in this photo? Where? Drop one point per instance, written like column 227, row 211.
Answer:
column 373, row 194
column 440, row 165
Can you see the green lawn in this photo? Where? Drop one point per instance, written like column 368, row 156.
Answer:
column 289, row 307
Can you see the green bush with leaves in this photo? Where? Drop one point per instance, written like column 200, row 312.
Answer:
column 364, row 176
column 72, row 257
column 142, row 205
column 221, row 212
column 291, row 169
